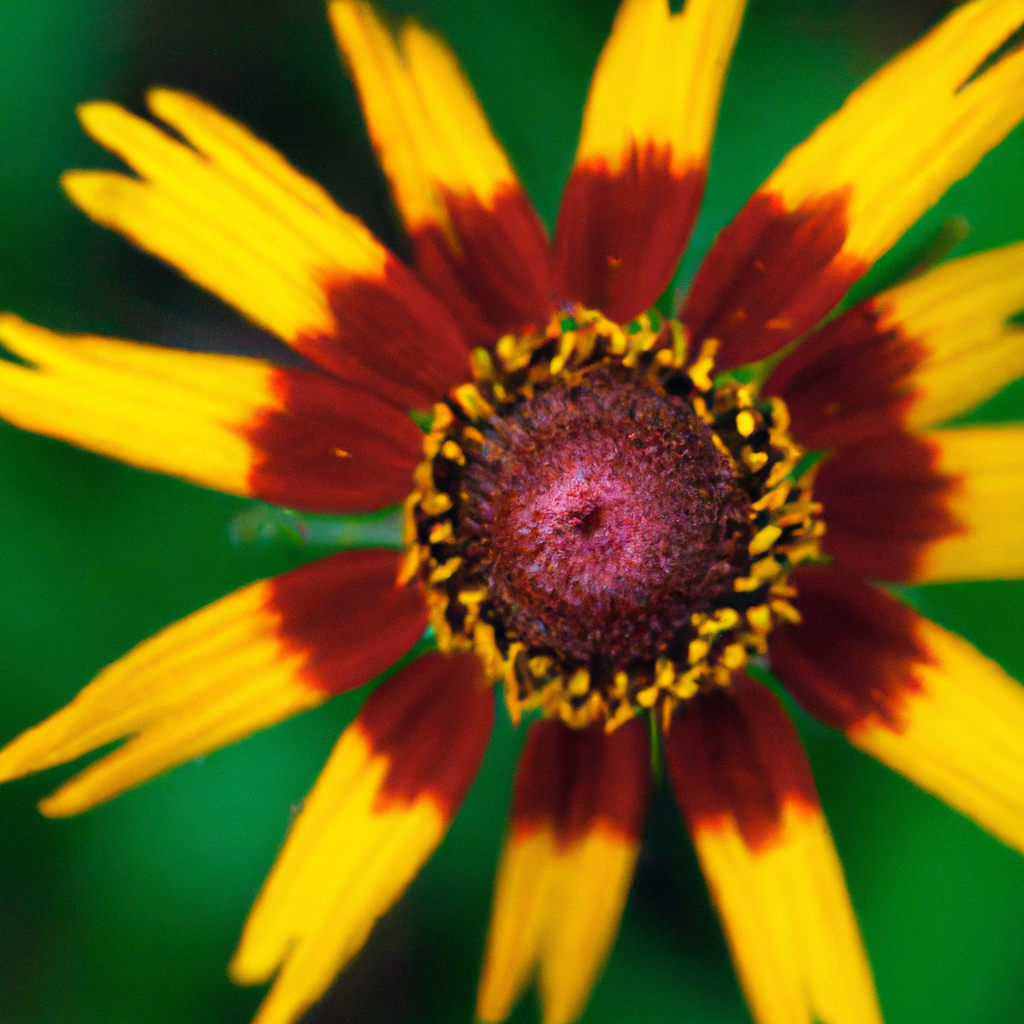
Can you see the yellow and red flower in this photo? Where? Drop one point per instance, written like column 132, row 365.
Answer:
column 602, row 515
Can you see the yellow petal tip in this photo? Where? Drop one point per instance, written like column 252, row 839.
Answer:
column 9, row 322
column 24, row 754
column 59, row 805
column 78, row 185
column 161, row 100
column 11, row 768
column 241, row 971
column 93, row 113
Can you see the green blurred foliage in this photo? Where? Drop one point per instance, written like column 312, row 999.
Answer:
column 129, row 913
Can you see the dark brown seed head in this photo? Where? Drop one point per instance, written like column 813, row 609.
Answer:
column 605, row 516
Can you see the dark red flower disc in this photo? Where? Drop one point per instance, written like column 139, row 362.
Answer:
column 605, row 516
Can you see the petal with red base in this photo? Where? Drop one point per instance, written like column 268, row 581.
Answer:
column 917, row 697
column 247, row 661
column 236, row 218
column 940, row 506
column 911, row 357
column 239, row 425
column 381, row 805
column 742, row 779
column 577, row 814
column 479, row 243
column 771, row 274
column 843, row 197
column 634, row 193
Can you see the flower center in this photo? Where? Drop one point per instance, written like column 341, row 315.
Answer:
column 608, row 518
column 605, row 527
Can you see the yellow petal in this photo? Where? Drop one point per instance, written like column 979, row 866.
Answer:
column 917, row 354
column 522, row 899
column 634, row 194
column 958, row 312
column 917, row 697
column 256, row 657
column 478, row 242
column 234, row 217
column 565, row 872
column 381, row 805
column 429, row 130
column 912, row 129
column 207, row 681
column 658, row 84
column 789, row 923
column 987, row 500
column 559, row 908
column 236, row 424
column 741, row 777
column 589, row 894
column 237, row 220
column 925, row 508
column 175, row 412
column 957, row 734
column 843, row 197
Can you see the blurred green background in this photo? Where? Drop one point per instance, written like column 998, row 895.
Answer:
column 129, row 914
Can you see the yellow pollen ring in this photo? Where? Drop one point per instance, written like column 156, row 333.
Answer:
column 749, row 432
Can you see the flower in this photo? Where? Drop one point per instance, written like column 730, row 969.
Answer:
column 567, row 422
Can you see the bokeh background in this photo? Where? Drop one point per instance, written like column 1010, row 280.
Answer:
column 129, row 914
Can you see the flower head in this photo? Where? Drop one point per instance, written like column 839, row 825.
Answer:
column 610, row 515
